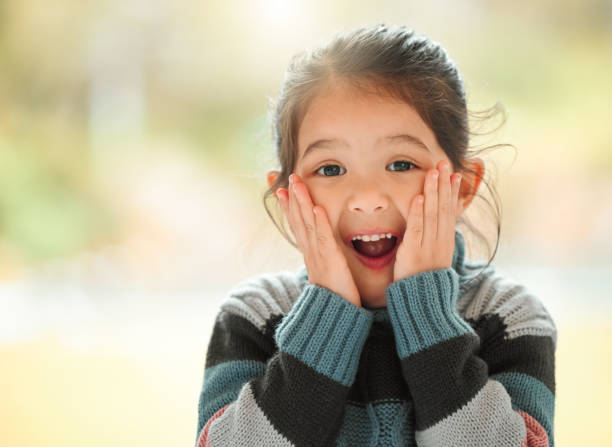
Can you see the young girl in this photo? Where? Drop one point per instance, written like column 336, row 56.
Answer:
column 388, row 335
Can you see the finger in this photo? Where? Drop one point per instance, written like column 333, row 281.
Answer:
column 295, row 218
column 414, row 224
column 430, row 229
column 323, row 231
column 455, row 186
column 283, row 197
column 445, row 218
column 305, row 209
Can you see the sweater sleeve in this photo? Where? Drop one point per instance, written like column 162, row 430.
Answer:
column 289, row 390
column 471, row 388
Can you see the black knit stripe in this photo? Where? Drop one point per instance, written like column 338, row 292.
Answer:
column 381, row 378
column 235, row 338
column 305, row 406
column 444, row 377
column 528, row 354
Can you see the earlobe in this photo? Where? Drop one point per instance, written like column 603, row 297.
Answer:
column 271, row 177
column 470, row 183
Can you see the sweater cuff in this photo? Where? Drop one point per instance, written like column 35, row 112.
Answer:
column 422, row 310
column 326, row 332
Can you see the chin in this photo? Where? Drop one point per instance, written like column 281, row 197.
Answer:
column 372, row 284
column 373, row 295
column 374, row 302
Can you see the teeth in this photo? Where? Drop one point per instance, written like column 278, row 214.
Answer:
column 373, row 237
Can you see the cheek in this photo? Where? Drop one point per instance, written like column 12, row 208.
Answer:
column 402, row 199
column 322, row 199
column 327, row 199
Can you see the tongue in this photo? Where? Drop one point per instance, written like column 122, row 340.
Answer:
column 375, row 249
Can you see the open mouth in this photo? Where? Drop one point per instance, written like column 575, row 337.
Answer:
column 375, row 249
column 375, row 254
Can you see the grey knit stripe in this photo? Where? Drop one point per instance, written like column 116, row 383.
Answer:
column 292, row 290
column 259, row 298
column 283, row 295
column 239, row 307
column 488, row 419
column 522, row 312
column 244, row 424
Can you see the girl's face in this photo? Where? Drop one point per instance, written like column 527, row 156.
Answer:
column 364, row 157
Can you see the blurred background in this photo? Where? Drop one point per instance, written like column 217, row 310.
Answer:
column 134, row 142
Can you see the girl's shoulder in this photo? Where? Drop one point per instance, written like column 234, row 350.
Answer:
column 490, row 298
column 265, row 297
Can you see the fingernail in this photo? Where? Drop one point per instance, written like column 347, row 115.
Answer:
column 435, row 175
column 291, row 178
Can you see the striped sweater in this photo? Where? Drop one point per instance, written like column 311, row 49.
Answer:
column 459, row 357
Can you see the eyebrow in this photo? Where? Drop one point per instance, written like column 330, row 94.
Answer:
column 329, row 142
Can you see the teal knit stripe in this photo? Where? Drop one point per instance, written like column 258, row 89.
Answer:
column 531, row 396
column 422, row 310
column 223, row 383
column 326, row 332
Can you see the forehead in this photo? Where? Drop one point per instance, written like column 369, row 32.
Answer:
column 342, row 111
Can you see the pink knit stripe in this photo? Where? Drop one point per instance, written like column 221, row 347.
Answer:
column 536, row 435
column 203, row 439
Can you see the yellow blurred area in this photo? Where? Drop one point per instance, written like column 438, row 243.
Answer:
column 53, row 395
column 56, row 396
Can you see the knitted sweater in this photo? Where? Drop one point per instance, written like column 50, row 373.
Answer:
column 459, row 357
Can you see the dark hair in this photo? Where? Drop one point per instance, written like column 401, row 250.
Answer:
column 394, row 61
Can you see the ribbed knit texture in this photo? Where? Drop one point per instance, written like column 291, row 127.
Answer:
column 459, row 357
column 426, row 302
column 321, row 329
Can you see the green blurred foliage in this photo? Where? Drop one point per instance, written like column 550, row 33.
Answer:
column 46, row 213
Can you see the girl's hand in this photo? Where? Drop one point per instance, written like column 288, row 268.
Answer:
column 325, row 262
column 429, row 241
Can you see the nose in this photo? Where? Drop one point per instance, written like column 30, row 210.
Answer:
column 368, row 198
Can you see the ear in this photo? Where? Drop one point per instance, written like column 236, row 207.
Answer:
column 469, row 183
column 272, row 176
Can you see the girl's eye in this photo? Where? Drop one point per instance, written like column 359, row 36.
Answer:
column 334, row 170
column 402, row 165
column 330, row 170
